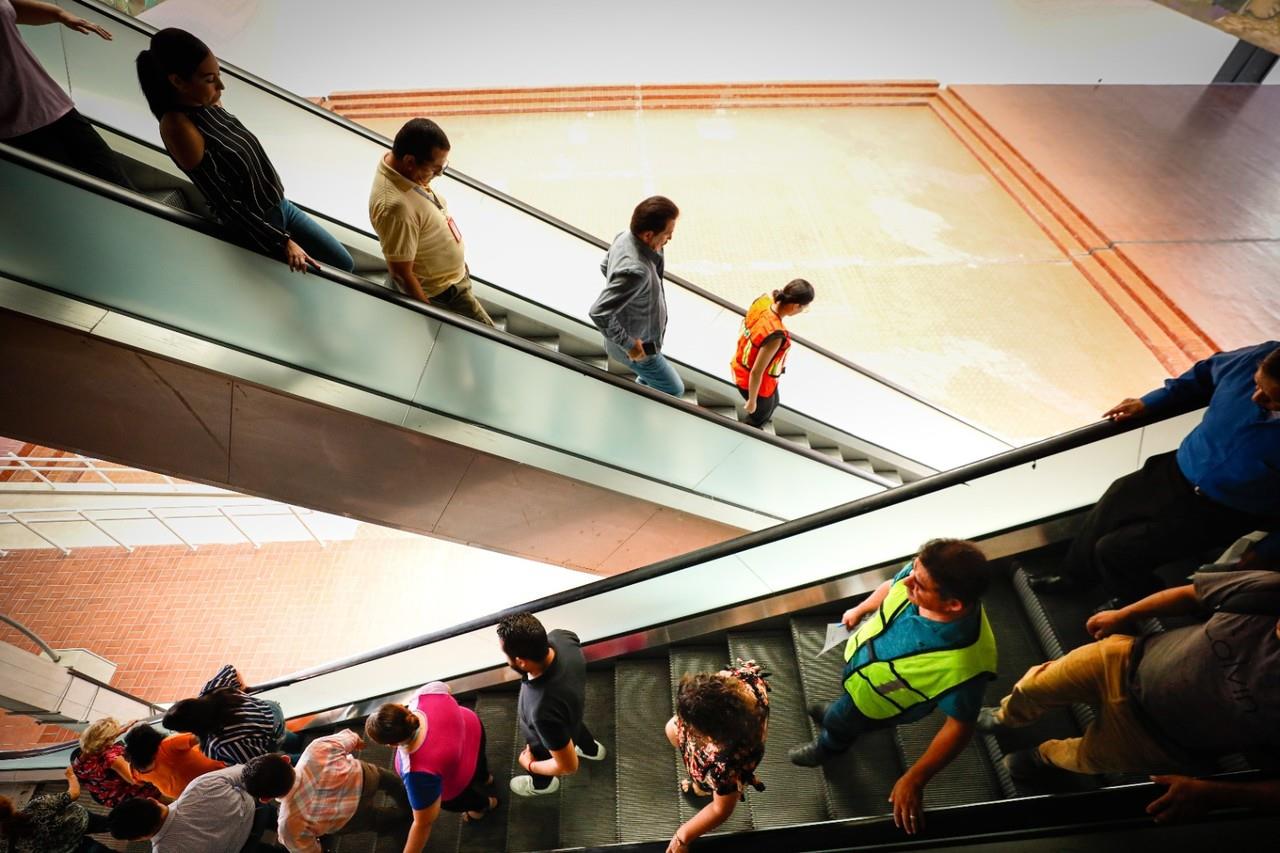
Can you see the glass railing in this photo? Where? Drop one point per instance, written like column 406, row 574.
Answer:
column 327, row 164
column 98, row 244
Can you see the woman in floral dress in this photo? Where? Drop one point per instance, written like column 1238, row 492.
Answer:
column 101, row 768
column 719, row 728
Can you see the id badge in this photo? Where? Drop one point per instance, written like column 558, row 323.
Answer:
column 453, row 228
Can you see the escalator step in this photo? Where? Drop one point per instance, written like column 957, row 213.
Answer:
column 970, row 778
column 693, row 659
column 859, row 782
column 588, row 799
column 647, row 798
column 795, row 794
column 497, row 711
column 533, row 823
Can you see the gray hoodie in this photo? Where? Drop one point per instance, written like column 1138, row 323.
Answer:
column 633, row 304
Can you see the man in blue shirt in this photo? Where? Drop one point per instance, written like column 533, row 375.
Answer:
column 926, row 643
column 1223, row 481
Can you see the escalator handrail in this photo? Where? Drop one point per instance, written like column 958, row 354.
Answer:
column 957, row 476
column 524, row 207
column 355, row 282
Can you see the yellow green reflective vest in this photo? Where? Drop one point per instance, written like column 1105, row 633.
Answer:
column 885, row 688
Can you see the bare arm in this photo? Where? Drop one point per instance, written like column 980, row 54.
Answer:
column 420, row 831
column 1188, row 797
column 34, row 13
column 757, row 372
column 908, row 794
column 182, row 140
column 1176, row 601
column 402, row 271
column 122, row 769
column 563, row 762
column 73, row 784
column 854, row 614
column 706, row 820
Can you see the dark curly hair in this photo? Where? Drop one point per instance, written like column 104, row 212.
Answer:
column 522, row 636
column 712, row 703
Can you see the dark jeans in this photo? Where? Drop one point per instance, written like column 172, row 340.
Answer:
column 265, row 816
column 459, row 299
column 764, row 408
column 368, row 816
column 1147, row 519
column 475, row 798
column 307, row 233
column 583, row 739
column 72, row 141
column 843, row 723
column 98, row 825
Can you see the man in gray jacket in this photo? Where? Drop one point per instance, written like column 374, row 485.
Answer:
column 631, row 312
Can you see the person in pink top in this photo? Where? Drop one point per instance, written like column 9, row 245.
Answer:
column 440, row 756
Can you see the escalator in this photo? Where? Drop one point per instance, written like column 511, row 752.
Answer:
column 767, row 596
column 326, row 162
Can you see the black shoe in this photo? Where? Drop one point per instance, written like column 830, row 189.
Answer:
column 1028, row 765
column 1054, row 584
column 987, row 723
column 1109, row 604
column 818, row 712
column 809, row 755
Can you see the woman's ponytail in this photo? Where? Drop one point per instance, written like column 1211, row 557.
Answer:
column 797, row 292
column 172, row 51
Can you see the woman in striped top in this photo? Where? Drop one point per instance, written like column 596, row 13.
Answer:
column 183, row 86
column 232, row 725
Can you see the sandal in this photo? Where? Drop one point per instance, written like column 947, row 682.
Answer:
column 690, row 788
column 470, row 817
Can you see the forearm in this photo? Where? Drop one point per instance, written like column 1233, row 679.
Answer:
column 412, row 284
column 1177, row 601
column 754, row 381
column 706, row 820
column 874, row 600
column 949, row 742
column 419, row 834
column 35, row 14
column 1262, row 796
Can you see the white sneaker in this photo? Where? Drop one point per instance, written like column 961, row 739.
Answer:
column 601, row 752
column 522, row 786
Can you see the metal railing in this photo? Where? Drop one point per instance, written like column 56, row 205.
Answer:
column 40, row 468
column 97, row 517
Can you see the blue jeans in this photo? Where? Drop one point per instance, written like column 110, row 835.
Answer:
column 652, row 370
column 314, row 240
column 843, row 723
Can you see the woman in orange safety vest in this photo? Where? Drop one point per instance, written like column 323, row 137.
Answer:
column 762, row 348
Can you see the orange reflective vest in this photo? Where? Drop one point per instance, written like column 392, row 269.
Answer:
column 759, row 326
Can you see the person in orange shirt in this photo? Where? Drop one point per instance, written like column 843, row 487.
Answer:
column 169, row 763
column 762, row 348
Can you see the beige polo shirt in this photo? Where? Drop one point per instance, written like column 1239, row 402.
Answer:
column 413, row 224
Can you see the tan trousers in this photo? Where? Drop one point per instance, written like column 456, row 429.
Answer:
column 1097, row 675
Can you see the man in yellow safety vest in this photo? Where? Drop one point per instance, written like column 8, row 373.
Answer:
column 926, row 643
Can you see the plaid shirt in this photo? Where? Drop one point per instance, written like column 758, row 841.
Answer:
column 325, row 793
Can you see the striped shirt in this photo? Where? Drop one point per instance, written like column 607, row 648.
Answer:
column 237, row 178
column 256, row 729
column 325, row 794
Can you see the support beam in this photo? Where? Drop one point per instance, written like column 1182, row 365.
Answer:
column 1247, row 63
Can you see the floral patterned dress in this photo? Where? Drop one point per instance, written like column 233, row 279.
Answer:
column 58, row 825
column 730, row 771
column 103, row 783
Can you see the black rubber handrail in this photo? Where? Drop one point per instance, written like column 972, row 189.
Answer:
column 212, row 229
column 478, row 185
column 937, row 482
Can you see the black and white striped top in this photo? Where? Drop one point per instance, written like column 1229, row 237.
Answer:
column 237, row 177
column 256, row 730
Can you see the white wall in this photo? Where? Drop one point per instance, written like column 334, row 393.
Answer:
column 315, row 48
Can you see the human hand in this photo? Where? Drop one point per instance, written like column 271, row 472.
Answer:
column 636, row 353
column 677, row 845
column 1125, row 409
column 750, row 406
column 1106, row 623
column 526, row 758
column 297, row 258
column 1184, row 799
column 80, row 25
column 907, row 797
column 851, row 617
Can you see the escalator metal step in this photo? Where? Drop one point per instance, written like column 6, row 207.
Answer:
column 694, row 659
column 497, row 712
column 858, row 782
column 795, row 794
column 588, row 798
column 648, row 807
column 533, row 823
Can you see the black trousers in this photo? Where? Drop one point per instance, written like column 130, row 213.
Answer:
column 1147, row 519
column 764, row 408
column 72, row 141
column 582, row 739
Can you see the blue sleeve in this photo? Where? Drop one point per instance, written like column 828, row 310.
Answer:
column 965, row 701
column 1194, row 387
column 423, row 789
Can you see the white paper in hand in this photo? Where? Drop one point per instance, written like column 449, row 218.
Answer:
column 837, row 634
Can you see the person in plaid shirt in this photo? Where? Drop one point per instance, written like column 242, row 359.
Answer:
column 330, row 792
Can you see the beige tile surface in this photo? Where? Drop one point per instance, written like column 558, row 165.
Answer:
column 927, row 271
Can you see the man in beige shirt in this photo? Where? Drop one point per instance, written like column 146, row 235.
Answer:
column 421, row 242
